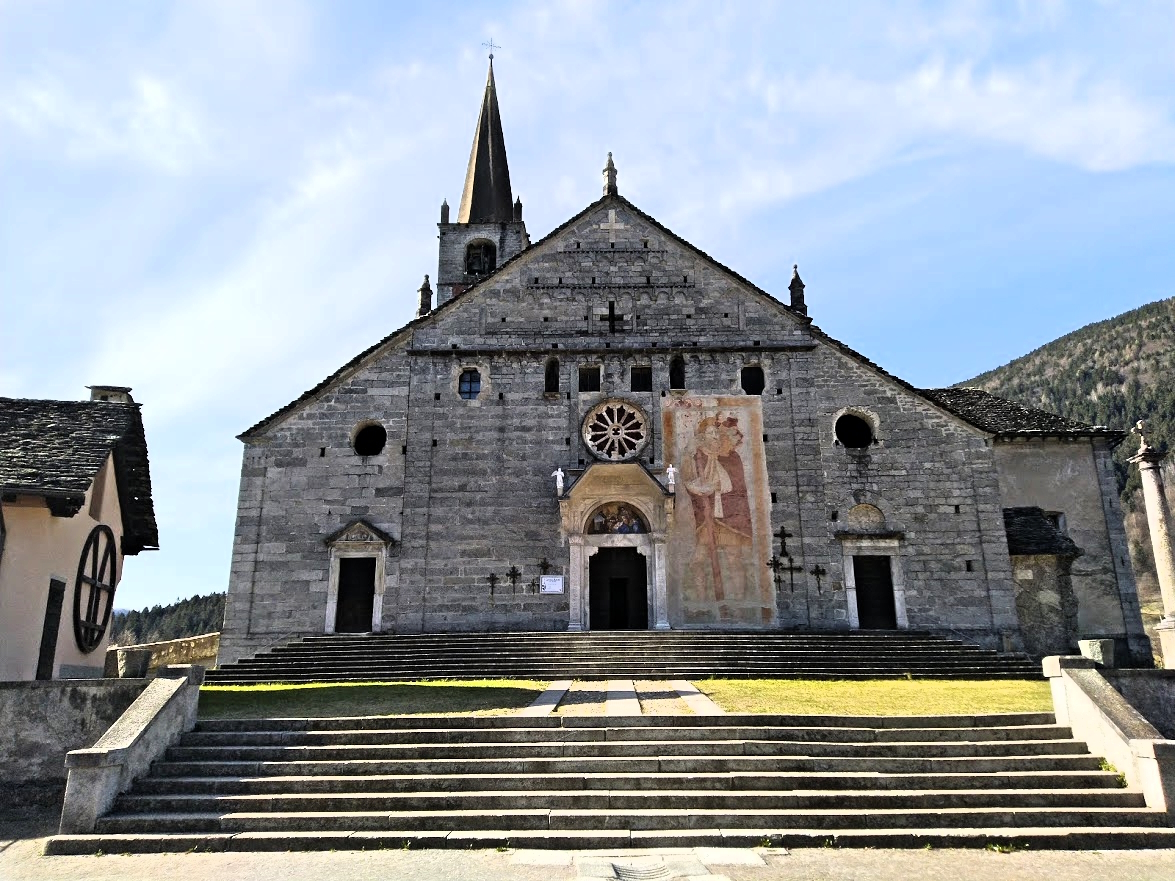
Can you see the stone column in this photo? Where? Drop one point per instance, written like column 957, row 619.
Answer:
column 575, row 584
column 660, row 594
column 1158, row 515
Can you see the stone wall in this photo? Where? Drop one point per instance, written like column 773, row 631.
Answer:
column 42, row 721
column 186, row 650
column 464, row 486
column 1074, row 478
column 1151, row 692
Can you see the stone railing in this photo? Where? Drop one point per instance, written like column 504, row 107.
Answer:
column 137, row 660
column 1097, row 713
column 97, row 775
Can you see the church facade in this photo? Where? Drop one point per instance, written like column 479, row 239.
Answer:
column 608, row 429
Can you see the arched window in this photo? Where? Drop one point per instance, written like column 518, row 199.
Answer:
column 481, row 258
column 551, row 378
column 677, row 372
column 752, row 379
column 469, row 385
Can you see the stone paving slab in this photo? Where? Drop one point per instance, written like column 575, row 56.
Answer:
column 545, row 703
column 697, row 702
column 621, row 699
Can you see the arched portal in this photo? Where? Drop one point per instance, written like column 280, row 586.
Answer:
column 616, row 518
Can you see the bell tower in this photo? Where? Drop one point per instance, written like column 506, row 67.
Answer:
column 489, row 228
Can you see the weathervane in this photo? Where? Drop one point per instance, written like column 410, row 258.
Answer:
column 491, row 45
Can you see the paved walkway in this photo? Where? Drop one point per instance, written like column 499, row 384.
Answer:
column 622, row 697
column 22, row 843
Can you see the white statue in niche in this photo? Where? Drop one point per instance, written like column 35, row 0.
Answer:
column 671, row 476
column 558, row 475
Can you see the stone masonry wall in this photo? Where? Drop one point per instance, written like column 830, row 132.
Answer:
column 465, row 486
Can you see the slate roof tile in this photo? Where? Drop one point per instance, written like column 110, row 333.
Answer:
column 1030, row 531
column 54, row 449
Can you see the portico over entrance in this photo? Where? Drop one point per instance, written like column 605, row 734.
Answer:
column 615, row 519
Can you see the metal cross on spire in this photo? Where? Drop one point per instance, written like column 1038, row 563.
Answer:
column 491, row 45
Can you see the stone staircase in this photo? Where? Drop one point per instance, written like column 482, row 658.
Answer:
column 626, row 781
column 633, row 654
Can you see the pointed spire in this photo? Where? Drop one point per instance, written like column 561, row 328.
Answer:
column 797, row 290
column 610, row 177
column 487, row 197
column 445, row 211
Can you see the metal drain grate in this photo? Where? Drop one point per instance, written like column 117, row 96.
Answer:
column 658, row 872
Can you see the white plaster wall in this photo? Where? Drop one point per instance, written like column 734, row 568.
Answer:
column 1062, row 476
column 40, row 546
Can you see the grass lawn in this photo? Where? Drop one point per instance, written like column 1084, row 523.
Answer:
column 482, row 697
column 878, row 697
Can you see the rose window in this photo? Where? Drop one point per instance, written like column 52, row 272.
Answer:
column 615, row 430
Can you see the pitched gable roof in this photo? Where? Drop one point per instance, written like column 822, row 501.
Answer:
column 54, row 449
column 982, row 411
column 259, row 427
column 1005, row 418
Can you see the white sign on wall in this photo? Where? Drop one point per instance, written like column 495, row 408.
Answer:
column 551, row 584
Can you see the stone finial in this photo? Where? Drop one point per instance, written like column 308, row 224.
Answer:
column 444, row 211
column 1140, row 430
column 610, row 177
column 797, row 290
column 517, row 209
column 425, row 298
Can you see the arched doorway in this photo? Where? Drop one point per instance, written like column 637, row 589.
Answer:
column 618, row 590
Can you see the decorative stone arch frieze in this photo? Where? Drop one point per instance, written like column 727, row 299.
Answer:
column 359, row 539
column 627, row 483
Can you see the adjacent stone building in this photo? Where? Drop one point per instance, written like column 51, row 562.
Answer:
column 609, row 429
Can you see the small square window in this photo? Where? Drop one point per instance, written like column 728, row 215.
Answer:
column 641, row 379
column 469, row 385
column 589, row 379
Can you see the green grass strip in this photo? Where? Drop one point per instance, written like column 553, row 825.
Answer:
column 878, row 697
column 482, row 697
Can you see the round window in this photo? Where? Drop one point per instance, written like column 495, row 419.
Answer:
column 615, row 431
column 93, row 592
column 370, row 440
column 854, row 432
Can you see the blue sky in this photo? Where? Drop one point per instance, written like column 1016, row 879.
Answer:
column 218, row 203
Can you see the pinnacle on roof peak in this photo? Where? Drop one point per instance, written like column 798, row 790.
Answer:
column 487, row 197
column 610, row 177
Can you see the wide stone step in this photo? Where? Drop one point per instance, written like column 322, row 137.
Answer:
column 1028, row 838
column 652, row 723
column 627, row 800
column 636, row 765
column 673, row 654
column 736, row 781
column 473, row 737
column 528, row 751
column 652, row 819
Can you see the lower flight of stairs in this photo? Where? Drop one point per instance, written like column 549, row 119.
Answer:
column 1011, row 780
column 632, row 655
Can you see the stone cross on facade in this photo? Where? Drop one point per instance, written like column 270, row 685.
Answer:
column 612, row 224
column 613, row 317
column 1158, row 515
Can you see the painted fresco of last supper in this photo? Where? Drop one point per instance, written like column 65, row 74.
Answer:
column 720, row 538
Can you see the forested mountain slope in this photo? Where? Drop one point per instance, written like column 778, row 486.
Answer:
column 1113, row 373
column 190, row 617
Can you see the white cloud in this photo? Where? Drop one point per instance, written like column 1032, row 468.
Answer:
column 149, row 123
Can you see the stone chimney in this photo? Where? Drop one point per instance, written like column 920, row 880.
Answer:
column 114, row 394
